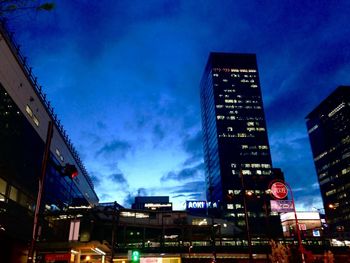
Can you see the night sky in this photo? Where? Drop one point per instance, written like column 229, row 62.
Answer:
column 123, row 77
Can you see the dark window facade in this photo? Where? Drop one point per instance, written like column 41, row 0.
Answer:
column 21, row 154
column 236, row 148
column 329, row 133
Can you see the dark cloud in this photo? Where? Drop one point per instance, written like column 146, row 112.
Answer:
column 118, row 178
column 193, row 145
column 101, row 125
column 291, row 152
column 115, row 147
column 159, row 133
column 191, row 196
column 142, row 192
column 129, row 200
column 185, row 174
column 190, row 187
column 96, row 179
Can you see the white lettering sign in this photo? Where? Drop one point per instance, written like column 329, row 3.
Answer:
column 196, row 204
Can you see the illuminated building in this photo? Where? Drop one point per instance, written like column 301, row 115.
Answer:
column 235, row 140
column 160, row 203
column 24, row 117
column 329, row 132
column 309, row 223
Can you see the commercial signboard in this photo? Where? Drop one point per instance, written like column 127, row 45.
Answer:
column 196, row 204
column 279, row 190
column 58, row 257
column 282, row 206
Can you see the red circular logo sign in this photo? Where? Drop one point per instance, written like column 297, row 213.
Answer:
column 279, row 190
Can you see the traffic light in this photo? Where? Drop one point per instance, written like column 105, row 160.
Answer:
column 135, row 256
column 70, row 170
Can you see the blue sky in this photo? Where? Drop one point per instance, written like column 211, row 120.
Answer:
column 123, row 77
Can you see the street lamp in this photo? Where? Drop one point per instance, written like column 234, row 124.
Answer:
column 301, row 248
column 189, row 251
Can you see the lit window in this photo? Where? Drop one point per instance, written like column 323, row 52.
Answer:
column 13, row 193
column 230, row 206
column 338, row 108
column 313, row 129
column 36, row 121
column 263, row 147
column 333, row 191
column 29, row 111
column 2, row 187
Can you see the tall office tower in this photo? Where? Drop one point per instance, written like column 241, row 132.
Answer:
column 24, row 117
column 329, row 132
column 236, row 148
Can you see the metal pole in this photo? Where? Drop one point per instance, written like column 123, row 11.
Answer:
column 113, row 229
column 246, row 219
column 40, row 191
column 301, row 248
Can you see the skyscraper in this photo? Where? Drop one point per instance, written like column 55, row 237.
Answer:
column 329, row 132
column 236, row 148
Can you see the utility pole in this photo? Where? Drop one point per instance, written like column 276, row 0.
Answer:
column 246, row 217
column 40, row 192
column 115, row 216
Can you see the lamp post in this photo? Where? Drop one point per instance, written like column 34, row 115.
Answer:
column 163, row 230
column 189, row 251
column 40, row 192
column 246, row 217
column 301, row 247
column 115, row 217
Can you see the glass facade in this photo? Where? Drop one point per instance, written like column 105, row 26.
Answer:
column 236, row 148
column 329, row 133
column 21, row 154
column 24, row 116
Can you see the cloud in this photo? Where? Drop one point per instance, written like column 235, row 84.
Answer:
column 185, row 174
column 96, row 179
column 142, row 192
column 101, row 125
column 193, row 145
column 115, row 147
column 190, row 187
column 128, row 200
column 118, row 178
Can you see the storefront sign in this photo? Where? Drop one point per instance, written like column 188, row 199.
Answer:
column 282, row 206
column 57, row 257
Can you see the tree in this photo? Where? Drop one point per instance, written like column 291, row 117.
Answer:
column 279, row 253
column 10, row 7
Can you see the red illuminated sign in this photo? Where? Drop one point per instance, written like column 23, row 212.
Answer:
column 57, row 257
column 279, row 190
